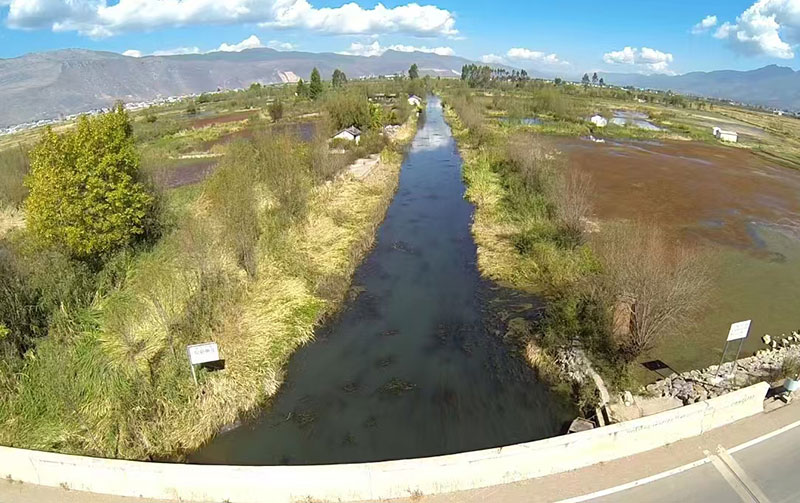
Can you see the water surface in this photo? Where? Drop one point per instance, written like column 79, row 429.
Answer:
column 415, row 365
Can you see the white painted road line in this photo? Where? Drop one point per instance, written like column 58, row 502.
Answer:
column 743, row 477
column 636, row 483
column 680, row 469
column 737, row 485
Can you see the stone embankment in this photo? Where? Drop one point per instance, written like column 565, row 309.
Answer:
column 697, row 385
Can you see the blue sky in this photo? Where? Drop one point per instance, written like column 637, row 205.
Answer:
column 555, row 37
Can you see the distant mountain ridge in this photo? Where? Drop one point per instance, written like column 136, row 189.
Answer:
column 44, row 85
column 771, row 86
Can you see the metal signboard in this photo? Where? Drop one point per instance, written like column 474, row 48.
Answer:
column 202, row 353
column 739, row 330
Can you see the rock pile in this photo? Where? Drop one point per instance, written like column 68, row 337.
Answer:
column 697, row 385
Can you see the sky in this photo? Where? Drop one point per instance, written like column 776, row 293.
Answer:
column 554, row 37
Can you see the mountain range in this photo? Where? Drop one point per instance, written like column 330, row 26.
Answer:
column 771, row 86
column 49, row 84
column 45, row 85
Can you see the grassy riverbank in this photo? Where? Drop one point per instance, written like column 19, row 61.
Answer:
column 606, row 286
column 254, row 258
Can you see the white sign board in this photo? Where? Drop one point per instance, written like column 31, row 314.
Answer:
column 739, row 330
column 203, row 353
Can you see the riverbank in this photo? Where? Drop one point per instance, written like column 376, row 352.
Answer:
column 122, row 387
column 416, row 364
column 527, row 243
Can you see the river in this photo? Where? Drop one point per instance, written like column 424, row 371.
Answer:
column 415, row 365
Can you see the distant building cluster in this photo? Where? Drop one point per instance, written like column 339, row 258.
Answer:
column 66, row 118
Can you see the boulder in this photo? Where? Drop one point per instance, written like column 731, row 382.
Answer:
column 767, row 339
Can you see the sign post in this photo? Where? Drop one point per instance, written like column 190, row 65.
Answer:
column 738, row 332
column 201, row 353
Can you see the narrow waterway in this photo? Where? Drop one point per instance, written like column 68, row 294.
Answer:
column 415, row 365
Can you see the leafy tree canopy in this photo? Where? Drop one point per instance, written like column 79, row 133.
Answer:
column 85, row 193
column 315, row 87
column 339, row 78
column 413, row 72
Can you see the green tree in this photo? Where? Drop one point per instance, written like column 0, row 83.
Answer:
column 413, row 72
column 302, row 89
column 276, row 110
column 585, row 79
column 558, row 81
column 349, row 109
column 85, row 193
column 594, row 78
column 339, row 78
column 315, row 88
column 377, row 116
column 602, row 82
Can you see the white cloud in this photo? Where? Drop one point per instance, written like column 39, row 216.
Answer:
column 176, row 51
column 100, row 18
column 704, row 25
column 644, row 58
column 768, row 27
column 281, row 46
column 493, row 59
column 537, row 56
column 251, row 42
column 376, row 49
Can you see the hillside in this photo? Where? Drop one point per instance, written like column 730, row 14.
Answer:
column 45, row 85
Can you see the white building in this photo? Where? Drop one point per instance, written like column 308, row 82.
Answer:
column 415, row 100
column 598, row 120
column 721, row 134
column 350, row 134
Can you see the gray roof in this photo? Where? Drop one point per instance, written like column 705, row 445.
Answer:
column 352, row 130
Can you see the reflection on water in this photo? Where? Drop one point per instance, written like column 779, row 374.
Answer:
column 525, row 121
column 415, row 366
column 633, row 118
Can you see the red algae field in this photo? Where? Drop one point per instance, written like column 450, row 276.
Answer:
column 745, row 210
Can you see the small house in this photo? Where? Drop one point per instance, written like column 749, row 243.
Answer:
column 598, row 120
column 415, row 100
column 350, row 134
column 729, row 136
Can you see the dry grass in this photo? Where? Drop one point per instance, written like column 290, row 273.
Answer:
column 118, row 385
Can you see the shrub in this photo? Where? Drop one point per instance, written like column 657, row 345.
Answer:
column 350, row 108
column 790, row 368
column 13, row 168
column 85, row 195
column 21, row 318
column 276, row 110
column 651, row 288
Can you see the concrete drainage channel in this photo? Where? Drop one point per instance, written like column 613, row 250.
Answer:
column 384, row 480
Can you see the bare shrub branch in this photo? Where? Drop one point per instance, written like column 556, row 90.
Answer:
column 654, row 288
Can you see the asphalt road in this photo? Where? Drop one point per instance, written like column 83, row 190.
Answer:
column 764, row 472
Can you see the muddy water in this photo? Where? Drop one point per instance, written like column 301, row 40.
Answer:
column 415, row 365
column 745, row 209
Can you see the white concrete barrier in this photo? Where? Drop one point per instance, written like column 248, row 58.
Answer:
column 390, row 479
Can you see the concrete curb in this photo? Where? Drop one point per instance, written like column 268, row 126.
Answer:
column 390, row 479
